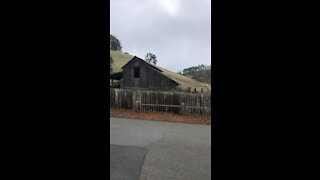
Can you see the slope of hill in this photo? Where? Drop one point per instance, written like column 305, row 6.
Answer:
column 200, row 73
column 119, row 60
column 185, row 83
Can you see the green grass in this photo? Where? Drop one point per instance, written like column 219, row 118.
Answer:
column 120, row 59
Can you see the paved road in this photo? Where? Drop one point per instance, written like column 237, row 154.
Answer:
column 159, row 150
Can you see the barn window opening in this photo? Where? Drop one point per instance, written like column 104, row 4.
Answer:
column 136, row 72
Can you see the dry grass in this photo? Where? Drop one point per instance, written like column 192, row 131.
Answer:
column 119, row 60
column 185, row 82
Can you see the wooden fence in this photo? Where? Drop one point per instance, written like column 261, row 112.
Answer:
column 160, row 101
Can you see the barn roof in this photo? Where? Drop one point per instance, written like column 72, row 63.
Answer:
column 121, row 59
column 151, row 65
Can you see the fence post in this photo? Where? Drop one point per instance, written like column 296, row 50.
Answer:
column 137, row 106
column 116, row 98
column 134, row 98
column 182, row 109
column 202, row 103
column 139, row 98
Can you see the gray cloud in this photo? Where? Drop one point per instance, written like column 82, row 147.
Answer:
column 178, row 32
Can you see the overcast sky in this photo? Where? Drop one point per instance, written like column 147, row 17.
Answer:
column 178, row 32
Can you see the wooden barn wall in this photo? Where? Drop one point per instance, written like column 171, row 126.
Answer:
column 149, row 77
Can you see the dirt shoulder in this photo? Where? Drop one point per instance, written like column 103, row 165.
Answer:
column 159, row 116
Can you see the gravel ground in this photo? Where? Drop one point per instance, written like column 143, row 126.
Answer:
column 158, row 116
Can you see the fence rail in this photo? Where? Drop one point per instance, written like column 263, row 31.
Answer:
column 160, row 101
column 161, row 105
column 165, row 105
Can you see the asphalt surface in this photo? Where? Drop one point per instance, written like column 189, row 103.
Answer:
column 126, row 161
column 144, row 150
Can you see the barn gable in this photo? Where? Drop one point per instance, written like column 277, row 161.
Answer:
column 138, row 73
column 139, row 59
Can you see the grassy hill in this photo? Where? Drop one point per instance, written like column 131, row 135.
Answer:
column 200, row 73
column 120, row 59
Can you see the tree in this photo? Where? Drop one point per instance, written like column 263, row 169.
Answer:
column 115, row 43
column 111, row 60
column 151, row 58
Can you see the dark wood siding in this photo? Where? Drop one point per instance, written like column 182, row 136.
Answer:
column 149, row 77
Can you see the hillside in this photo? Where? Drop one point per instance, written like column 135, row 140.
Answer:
column 120, row 59
column 200, row 73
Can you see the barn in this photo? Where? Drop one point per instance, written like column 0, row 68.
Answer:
column 134, row 72
column 138, row 73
